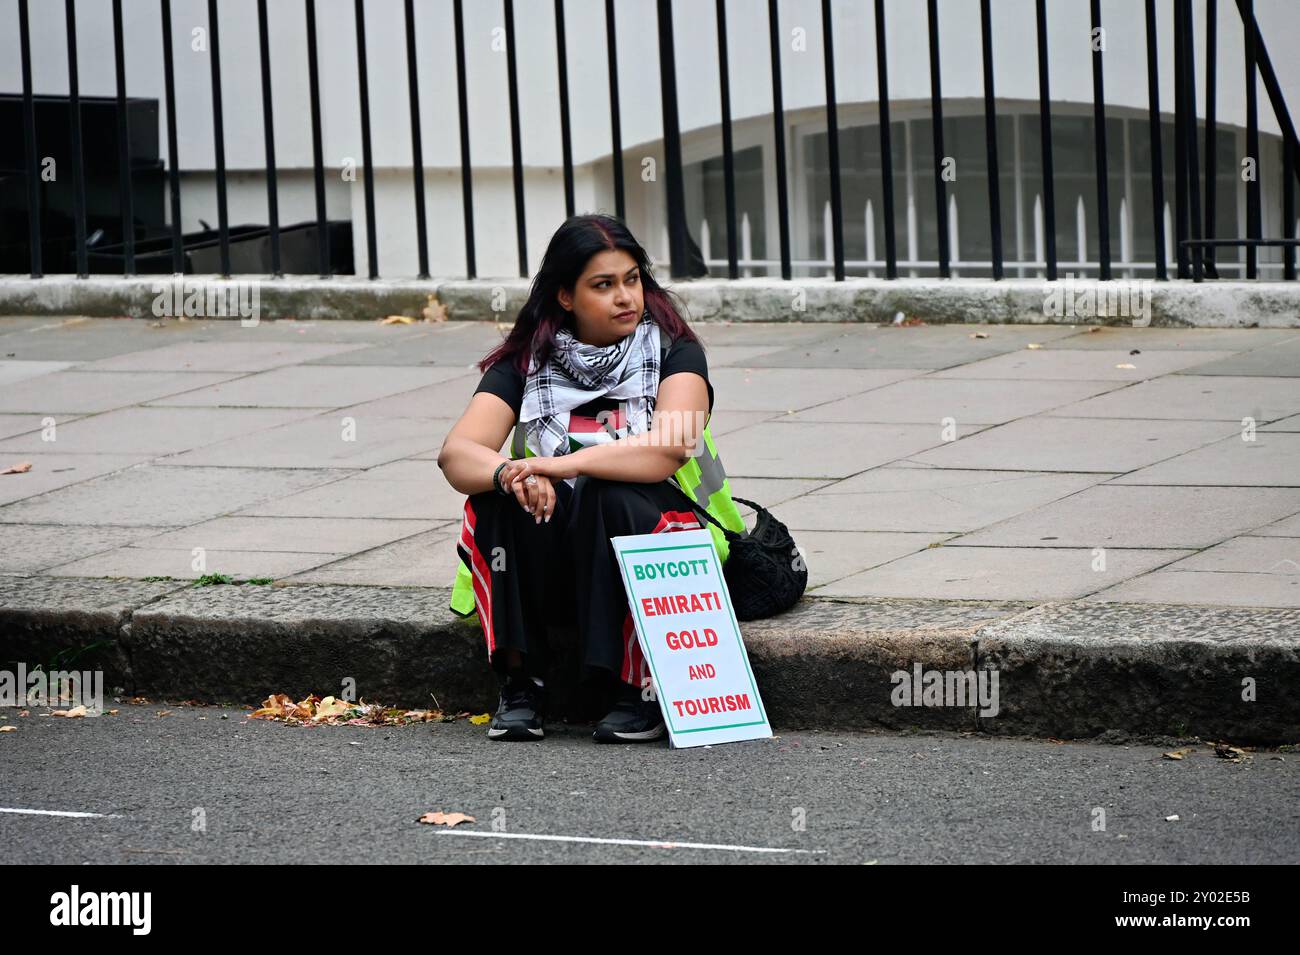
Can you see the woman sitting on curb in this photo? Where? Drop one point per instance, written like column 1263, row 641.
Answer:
column 607, row 390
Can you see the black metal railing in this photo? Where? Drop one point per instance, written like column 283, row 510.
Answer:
column 1195, row 238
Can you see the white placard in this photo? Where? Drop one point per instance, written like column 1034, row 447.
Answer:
column 689, row 635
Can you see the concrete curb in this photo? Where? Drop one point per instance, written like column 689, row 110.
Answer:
column 1075, row 670
column 1216, row 304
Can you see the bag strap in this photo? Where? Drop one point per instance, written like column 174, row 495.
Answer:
column 728, row 532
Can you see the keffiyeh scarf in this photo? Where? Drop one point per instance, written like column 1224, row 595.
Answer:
column 576, row 373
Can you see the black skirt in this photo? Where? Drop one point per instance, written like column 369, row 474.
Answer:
column 564, row 572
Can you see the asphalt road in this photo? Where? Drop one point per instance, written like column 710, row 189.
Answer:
column 194, row 787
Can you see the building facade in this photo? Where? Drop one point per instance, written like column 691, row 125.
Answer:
column 1131, row 213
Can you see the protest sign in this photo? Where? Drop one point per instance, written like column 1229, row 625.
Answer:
column 689, row 635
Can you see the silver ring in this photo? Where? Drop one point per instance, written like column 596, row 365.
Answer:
column 531, row 479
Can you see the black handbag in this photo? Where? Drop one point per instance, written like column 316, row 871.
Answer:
column 765, row 571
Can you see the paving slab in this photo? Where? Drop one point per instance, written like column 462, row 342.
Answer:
column 790, row 389
column 1082, row 365
column 726, row 421
column 427, row 559
column 734, row 356
column 1076, row 444
column 12, row 372
column 931, row 400
column 400, row 490
column 157, row 495
column 1111, row 337
column 995, row 573
column 1290, row 527
column 928, row 499
column 233, row 356
column 1286, row 424
column 312, row 535
column 365, row 333
column 1248, row 555
column 445, row 400
column 153, row 431
column 1271, row 460
column 32, row 548
column 178, row 564
column 456, row 347
column 917, row 347
column 769, row 335
column 84, row 392
column 312, row 386
column 1112, row 515
column 832, row 555
column 334, row 439
column 1194, row 398
column 16, row 424
column 817, row 450
column 772, row 491
column 1280, row 359
column 90, row 339
column 1210, row 588
column 49, row 472
column 11, row 324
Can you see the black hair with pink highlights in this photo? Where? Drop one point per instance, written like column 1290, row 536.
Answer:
column 570, row 249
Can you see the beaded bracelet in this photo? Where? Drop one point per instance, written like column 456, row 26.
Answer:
column 496, row 480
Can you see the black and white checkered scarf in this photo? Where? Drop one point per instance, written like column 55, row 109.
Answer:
column 576, row 373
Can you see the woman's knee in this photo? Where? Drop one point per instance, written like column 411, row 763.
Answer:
column 620, row 503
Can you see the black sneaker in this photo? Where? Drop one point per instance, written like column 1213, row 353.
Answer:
column 632, row 720
column 521, row 712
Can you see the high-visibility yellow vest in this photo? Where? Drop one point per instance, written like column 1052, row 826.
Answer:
column 702, row 477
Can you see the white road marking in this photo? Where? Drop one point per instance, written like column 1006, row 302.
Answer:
column 60, row 812
column 621, row 842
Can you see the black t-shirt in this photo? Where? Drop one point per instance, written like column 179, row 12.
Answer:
column 507, row 382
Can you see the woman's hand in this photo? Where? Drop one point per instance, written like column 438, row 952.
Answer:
column 537, row 496
column 540, row 496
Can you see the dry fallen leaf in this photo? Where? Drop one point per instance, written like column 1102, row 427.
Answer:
column 18, row 468
column 1034, row 345
column 276, row 706
column 397, row 320
column 435, row 311
column 1231, row 753
column 1177, row 754
column 8, row 729
column 1126, row 365
column 480, row 719
column 979, row 334
column 448, row 819
column 330, row 707
column 312, row 710
column 74, row 712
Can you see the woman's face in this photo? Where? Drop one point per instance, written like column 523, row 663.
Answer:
column 606, row 300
